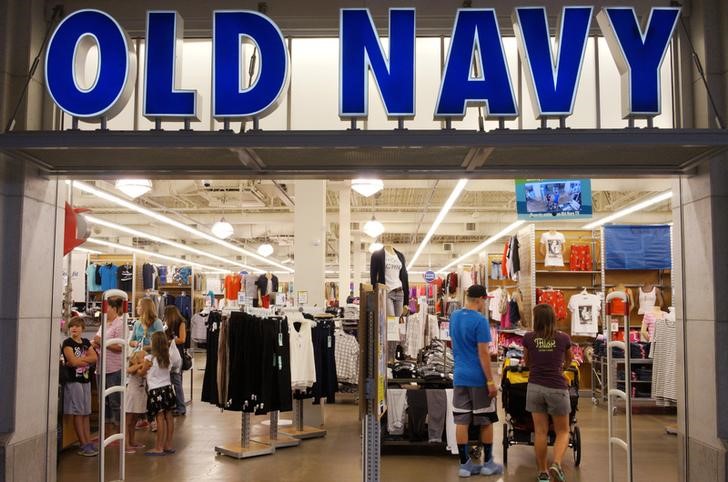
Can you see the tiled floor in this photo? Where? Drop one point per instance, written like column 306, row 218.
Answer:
column 336, row 458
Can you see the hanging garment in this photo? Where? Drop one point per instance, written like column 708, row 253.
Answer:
column 209, row 382
column 396, row 410
column 198, row 327
column 417, row 415
column 91, row 282
column 150, row 278
column 303, row 367
column 515, row 258
column 494, row 303
column 347, row 358
column 436, row 414
column 125, row 277
column 184, row 305
column 109, row 276
column 324, row 350
column 555, row 298
column 232, row 286
column 452, row 444
column 585, row 310
column 664, row 365
column 554, row 245
column 580, row 258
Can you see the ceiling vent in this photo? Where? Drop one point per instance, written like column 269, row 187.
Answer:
column 470, row 227
column 355, row 227
column 447, row 247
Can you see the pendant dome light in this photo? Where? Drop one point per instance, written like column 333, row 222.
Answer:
column 133, row 187
column 373, row 228
column 375, row 246
column 222, row 229
column 367, row 187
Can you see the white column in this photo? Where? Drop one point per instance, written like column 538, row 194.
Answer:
column 359, row 263
column 344, row 243
column 310, row 239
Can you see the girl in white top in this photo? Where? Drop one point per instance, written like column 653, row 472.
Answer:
column 162, row 399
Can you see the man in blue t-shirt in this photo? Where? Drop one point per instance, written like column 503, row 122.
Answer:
column 475, row 389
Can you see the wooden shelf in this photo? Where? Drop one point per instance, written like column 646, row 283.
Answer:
column 546, row 271
column 174, row 287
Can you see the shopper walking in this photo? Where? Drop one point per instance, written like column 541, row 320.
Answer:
column 177, row 333
column 79, row 359
column 161, row 399
column 146, row 325
column 547, row 352
column 112, row 359
column 475, row 389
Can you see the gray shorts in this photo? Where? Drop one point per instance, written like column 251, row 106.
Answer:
column 473, row 406
column 77, row 398
column 554, row 401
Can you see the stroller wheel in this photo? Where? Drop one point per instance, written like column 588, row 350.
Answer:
column 577, row 446
column 506, row 444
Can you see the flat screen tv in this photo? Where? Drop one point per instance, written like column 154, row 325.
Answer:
column 544, row 199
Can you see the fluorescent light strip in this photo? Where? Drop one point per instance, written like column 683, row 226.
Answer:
column 141, row 234
column 503, row 232
column 629, row 210
column 132, row 249
column 454, row 195
column 164, row 219
column 86, row 250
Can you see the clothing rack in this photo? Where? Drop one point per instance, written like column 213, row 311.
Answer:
column 299, row 430
column 247, row 447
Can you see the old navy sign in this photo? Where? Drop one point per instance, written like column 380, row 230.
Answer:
column 475, row 71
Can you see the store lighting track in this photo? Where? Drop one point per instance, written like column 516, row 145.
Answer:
column 88, row 251
column 131, row 249
column 157, row 239
column 454, row 195
column 630, row 209
column 171, row 222
column 503, row 232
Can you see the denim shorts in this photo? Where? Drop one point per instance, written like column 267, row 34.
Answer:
column 554, row 401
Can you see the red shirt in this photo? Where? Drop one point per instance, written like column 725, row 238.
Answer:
column 232, row 286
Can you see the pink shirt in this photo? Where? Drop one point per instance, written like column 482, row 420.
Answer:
column 115, row 329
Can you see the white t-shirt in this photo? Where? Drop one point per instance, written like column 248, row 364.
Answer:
column 392, row 267
column 494, row 303
column 157, row 376
column 585, row 310
column 554, row 243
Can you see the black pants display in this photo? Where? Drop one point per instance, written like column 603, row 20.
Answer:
column 209, row 382
column 324, row 355
column 417, row 415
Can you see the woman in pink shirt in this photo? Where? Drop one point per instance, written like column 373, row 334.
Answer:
column 113, row 359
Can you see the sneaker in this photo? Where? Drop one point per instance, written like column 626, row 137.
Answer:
column 154, row 426
column 491, row 468
column 543, row 477
column 88, row 451
column 557, row 473
column 469, row 468
column 142, row 424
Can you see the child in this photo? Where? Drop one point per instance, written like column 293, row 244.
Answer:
column 136, row 399
column 79, row 358
column 161, row 398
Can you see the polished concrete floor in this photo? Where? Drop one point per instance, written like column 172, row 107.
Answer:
column 336, row 458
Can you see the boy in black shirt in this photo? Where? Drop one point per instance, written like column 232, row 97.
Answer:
column 79, row 358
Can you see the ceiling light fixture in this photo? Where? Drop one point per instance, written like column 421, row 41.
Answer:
column 265, row 249
column 503, row 232
column 454, row 195
column 373, row 228
column 288, row 260
column 367, row 187
column 144, row 252
column 222, row 229
column 157, row 239
column 375, row 246
column 86, row 250
column 181, row 226
column 134, row 187
column 629, row 210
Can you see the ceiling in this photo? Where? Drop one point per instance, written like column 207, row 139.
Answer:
column 263, row 210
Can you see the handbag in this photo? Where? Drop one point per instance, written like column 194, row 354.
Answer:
column 186, row 360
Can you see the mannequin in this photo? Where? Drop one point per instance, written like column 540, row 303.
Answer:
column 267, row 284
column 649, row 296
column 388, row 267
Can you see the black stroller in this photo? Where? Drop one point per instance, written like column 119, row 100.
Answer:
column 518, row 428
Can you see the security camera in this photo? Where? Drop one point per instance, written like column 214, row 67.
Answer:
column 206, row 184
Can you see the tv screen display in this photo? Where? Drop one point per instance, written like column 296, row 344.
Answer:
column 549, row 198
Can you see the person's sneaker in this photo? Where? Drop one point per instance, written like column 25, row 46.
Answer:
column 557, row 473
column 153, row 424
column 88, row 451
column 142, row 424
column 468, row 468
column 543, row 477
column 491, row 468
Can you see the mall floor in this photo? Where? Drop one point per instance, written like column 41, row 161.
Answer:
column 336, row 458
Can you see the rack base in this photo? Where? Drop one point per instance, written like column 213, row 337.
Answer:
column 236, row 450
column 305, row 433
column 283, row 441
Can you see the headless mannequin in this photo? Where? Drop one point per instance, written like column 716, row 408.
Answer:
column 627, row 291
column 647, row 287
column 389, row 249
column 660, row 302
column 269, row 277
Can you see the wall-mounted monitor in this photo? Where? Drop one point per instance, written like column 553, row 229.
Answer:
column 544, row 199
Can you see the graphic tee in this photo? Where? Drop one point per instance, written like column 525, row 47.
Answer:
column 546, row 359
column 467, row 329
column 392, row 267
column 78, row 374
column 585, row 310
column 554, row 243
column 126, row 277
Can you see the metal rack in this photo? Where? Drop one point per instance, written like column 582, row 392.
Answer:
column 299, row 430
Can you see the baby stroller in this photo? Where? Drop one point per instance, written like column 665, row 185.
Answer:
column 518, row 428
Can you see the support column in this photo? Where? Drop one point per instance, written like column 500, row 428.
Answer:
column 359, row 263
column 344, row 243
column 701, row 263
column 310, row 239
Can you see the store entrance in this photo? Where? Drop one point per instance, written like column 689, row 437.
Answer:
column 282, row 261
